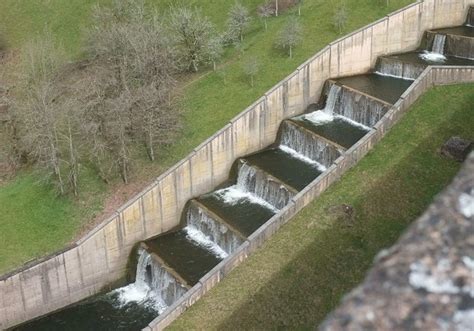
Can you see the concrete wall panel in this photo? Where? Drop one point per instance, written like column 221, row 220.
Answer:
column 183, row 184
column 169, row 212
column 295, row 95
column 151, row 203
column 379, row 39
column 132, row 223
column 272, row 115
column 114, row 247
column 201, row 169
column 222, row 155
column 319, row 72
column 247, row 125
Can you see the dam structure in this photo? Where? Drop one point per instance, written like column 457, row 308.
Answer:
column 323, row 132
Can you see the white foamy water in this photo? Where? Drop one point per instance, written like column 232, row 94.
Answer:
column 319, row 117
column 204, row 241
column 294, row 154
column 233, row 194
column 217, row 232
column 352, row 122
column 433, row 57
column 153, row 287
column 394, row 76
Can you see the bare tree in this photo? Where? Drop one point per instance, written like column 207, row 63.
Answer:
column 215, row 50
column 264, row 12
column 133, row 66
column 239, row 47
column 300, row 3
column 251, row 68
column 290, row 36
column 40, row 107
column 340, row 18
column 156, row 120
column 238, row 21
column 194, row 33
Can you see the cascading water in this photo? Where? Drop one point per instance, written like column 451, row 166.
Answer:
column 153, row 285
column 257, row 182
column 218, row 237
column 325, row 115
column 333, row 106
column 392, row 68
column 437, row 50
column 334, row 93
column 255, row 185
column 300, row 141
column 360, row 108
column 439, row 42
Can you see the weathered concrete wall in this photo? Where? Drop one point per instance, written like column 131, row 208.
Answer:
column 430, row 77
column 101, row 257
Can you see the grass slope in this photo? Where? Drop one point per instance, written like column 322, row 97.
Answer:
column 303, row 271
column 34, row 221
column 208, row 102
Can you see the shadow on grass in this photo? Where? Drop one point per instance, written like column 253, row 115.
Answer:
column 338, row 257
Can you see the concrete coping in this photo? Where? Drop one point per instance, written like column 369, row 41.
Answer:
column 335, row 82
column 401, row 10
column 313, row 58
column 96, row 229
column 214, row 136
column 317, row 180
column 272, row 220
column 362, row 141
column 433, row 31
column 195, row 289
column 248, row 110
column 371, row 25
column 35, row 262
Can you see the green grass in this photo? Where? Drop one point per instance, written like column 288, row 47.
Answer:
column 208, row 103
column 303, row 271
column 34, row 221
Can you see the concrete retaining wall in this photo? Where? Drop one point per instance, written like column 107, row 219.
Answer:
column 100, row 258
column 430, row 77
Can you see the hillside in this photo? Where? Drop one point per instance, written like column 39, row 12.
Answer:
column 208, row 100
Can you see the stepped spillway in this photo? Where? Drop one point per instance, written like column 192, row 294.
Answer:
column 449, row 46
column 215, row 224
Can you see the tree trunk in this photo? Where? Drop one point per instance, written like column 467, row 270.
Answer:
column 299, row 10
column 276, row 7
column 151, row 151
column 214, row 66
column 73, row 167
column 251, row 80
column 56, row 167
column 265, row 22
column 291, row 52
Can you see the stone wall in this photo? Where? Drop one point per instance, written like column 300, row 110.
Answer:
column 100, row 258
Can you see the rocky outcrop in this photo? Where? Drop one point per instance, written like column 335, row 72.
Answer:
column 425, row 281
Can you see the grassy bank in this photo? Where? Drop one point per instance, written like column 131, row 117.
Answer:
column 208, row 102
column 303, row 271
